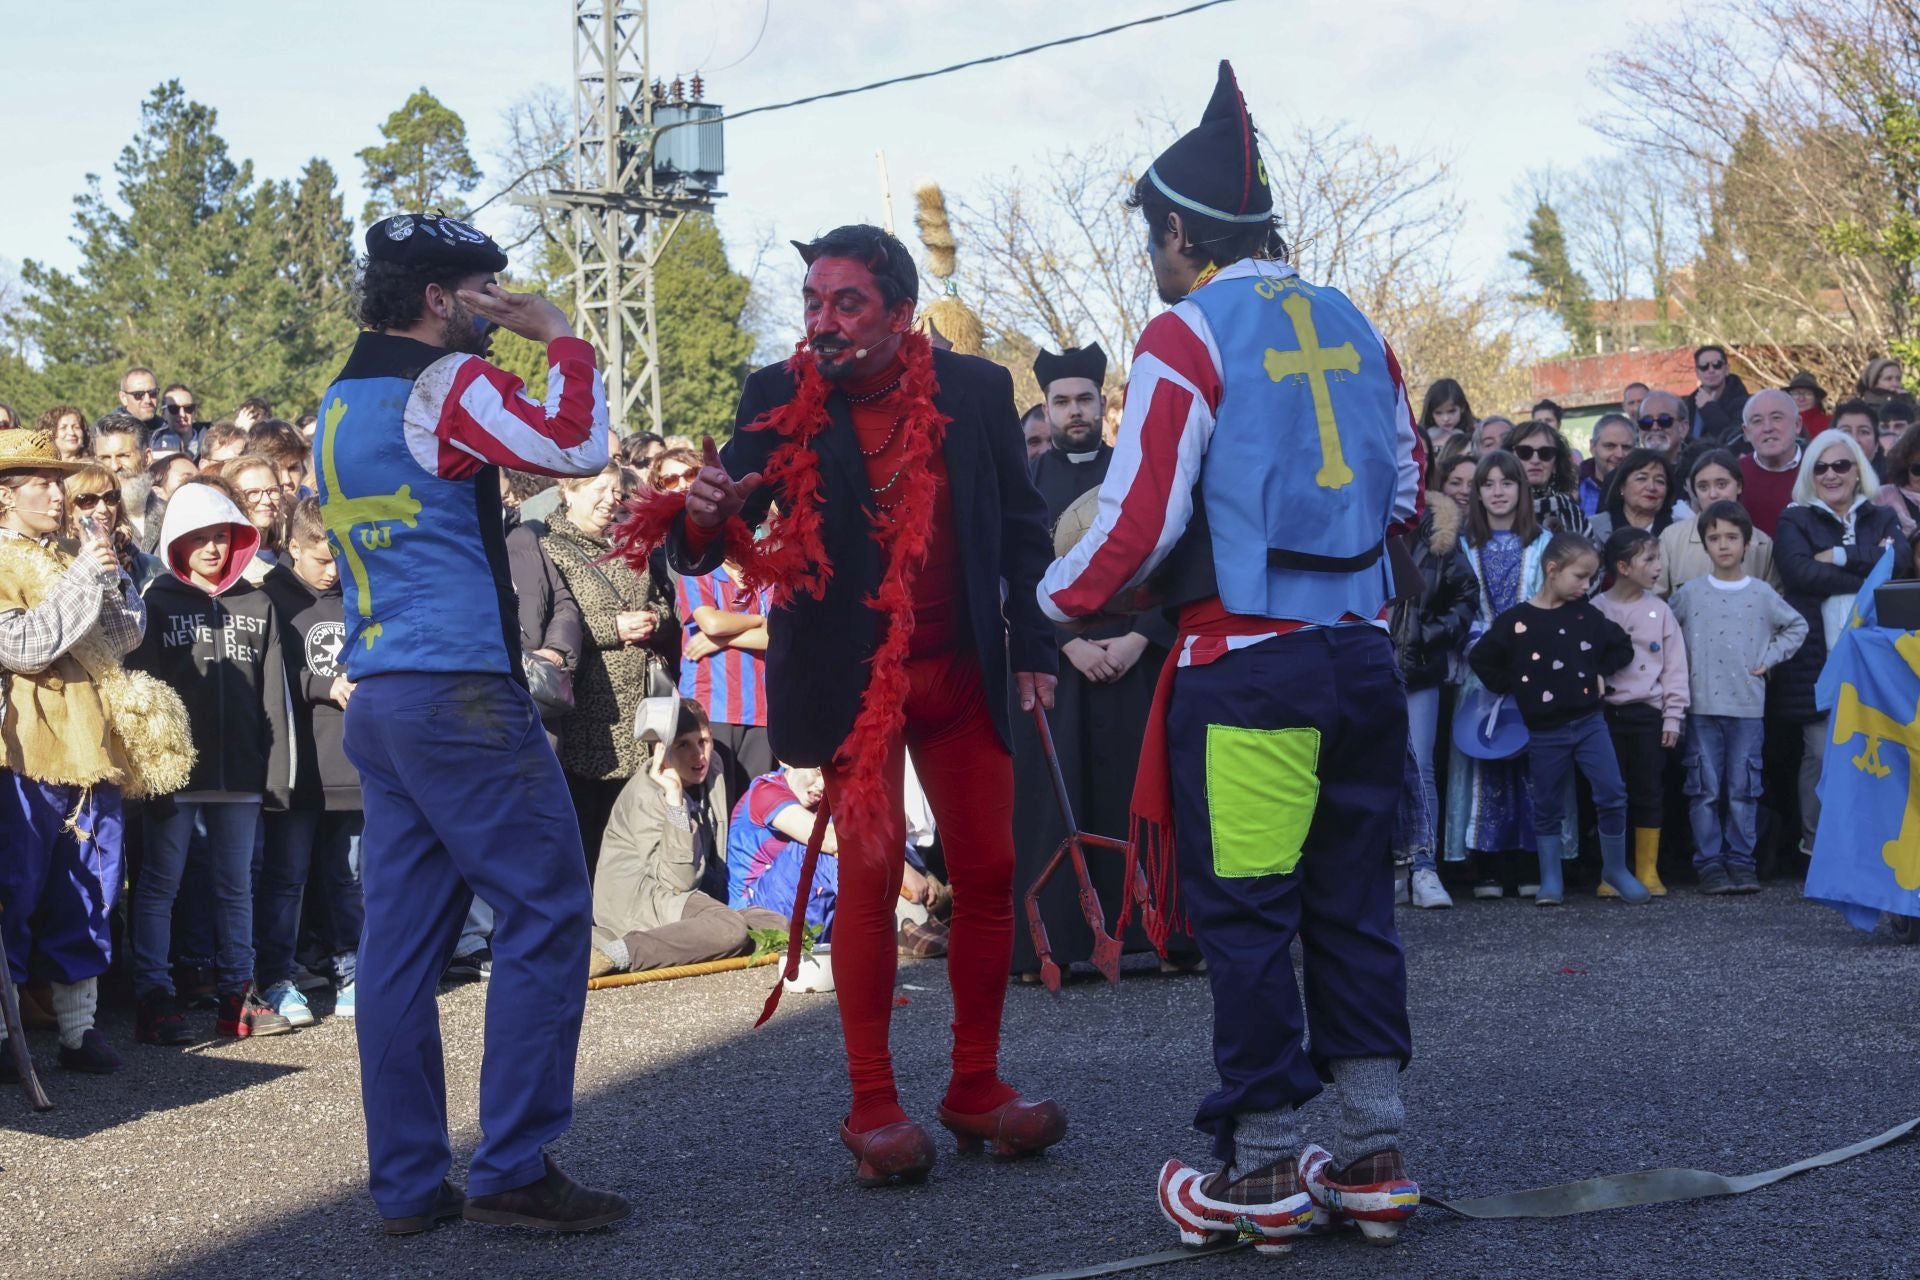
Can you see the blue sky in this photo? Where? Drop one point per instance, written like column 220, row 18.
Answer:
column 1500, row 87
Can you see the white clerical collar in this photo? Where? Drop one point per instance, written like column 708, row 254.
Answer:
column 1089, row 456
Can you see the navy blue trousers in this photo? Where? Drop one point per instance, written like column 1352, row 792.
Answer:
column 463, row 795
column 1338, row 899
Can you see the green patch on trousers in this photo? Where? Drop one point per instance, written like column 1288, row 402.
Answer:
column 1262, row 788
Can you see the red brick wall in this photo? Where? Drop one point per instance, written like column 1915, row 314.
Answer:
column 1593, row 381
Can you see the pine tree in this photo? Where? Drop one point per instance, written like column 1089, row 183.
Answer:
column 423, row 165
column 706, row 351
column 161, row 267
column 1557, row 286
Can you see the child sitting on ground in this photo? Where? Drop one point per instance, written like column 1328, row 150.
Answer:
column 1552, row 654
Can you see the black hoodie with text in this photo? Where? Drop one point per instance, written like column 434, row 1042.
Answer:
column 221, row 652
column 312, row 628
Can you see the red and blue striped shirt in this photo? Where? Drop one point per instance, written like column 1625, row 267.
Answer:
column 731, row 684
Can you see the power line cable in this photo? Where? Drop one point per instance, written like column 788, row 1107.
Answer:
column 766, row 11
column 963, row 66
column 822, row 97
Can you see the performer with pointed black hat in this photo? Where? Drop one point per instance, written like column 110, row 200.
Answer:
column 1265, row 457
column 1105, row 691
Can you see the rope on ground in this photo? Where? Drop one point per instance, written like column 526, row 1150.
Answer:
column 679, row 971
column 1615, row 1191
column 1650, row 1186
column 1142, row 1262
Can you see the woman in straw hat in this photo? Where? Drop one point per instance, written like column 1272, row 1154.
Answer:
column 77, row 732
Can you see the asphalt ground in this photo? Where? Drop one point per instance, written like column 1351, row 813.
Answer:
column 1727, row 1034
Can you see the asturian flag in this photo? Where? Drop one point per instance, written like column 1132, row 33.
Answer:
column 1866, row 854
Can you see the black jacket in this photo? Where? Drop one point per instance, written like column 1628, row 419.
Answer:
column 1803, row 533
column 1427, row 631
column 818, row 650
column 312, row 629
column 549, row 618
column 222, row 654
column 1720, row 420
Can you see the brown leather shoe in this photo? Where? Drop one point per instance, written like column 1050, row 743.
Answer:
column 447, row 1204
column 555, row 1203
column 901, row 1150
column 1016, row 1128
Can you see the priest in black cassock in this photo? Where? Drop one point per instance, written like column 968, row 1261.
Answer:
column 1107, row 677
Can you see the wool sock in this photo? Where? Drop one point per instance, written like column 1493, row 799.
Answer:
column 73, row 1007
column 1261, row 1138
column 616, row 951
column 1371, row 1113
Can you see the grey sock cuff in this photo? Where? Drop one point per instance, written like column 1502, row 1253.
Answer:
column 1263, row 1137
column 1371, row 1113
column 616, row 951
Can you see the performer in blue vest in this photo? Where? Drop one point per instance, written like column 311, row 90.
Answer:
column 462, row 791
column 1266, row 459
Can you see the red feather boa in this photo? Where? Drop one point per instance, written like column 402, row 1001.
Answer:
column 791, row 558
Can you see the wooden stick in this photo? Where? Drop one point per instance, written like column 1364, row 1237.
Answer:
column 681, row 971
column 17, row 1037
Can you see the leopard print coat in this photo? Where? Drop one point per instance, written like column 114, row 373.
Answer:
column 596, row 737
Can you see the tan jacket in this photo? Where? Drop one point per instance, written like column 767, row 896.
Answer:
column 648, row 862
column 81, row 718
column 1683, row 557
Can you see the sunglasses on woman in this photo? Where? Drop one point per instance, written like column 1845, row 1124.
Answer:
column 1709, row 366
column 1531, row 453
column 88, row 501
column 1839, row 468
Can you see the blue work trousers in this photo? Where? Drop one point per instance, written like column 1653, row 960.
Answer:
column 463, row 795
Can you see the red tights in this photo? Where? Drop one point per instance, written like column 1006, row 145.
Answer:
column 968, row 777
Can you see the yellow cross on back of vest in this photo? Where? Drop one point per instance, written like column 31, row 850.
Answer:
column 343, row 515
column 1316, row 363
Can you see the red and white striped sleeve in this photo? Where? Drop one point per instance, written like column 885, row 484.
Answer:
column 1173, row 390
column 465, row 414
column 1409, row 498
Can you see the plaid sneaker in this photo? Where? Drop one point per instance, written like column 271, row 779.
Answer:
column 920, row 941
column 1270, row 1205
column 1373, row 1192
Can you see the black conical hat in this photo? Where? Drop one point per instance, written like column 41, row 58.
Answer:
column 1075, row 362
column 1215, row 168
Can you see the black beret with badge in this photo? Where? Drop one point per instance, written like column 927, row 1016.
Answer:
column 433, row 240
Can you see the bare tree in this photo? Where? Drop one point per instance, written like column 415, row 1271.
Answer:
column 1788, row 123
column 1057, row 258
column 1057, row 255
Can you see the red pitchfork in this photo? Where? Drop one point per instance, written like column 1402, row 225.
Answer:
column 1106, row 947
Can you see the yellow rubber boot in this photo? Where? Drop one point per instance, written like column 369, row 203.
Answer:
column 1646, row 859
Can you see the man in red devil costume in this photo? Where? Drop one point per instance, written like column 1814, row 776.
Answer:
column 903, row 556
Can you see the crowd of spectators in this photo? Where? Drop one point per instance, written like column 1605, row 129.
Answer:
column 1729, row 527
column 1708, row 543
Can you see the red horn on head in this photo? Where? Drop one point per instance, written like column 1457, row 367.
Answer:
column 807, row 252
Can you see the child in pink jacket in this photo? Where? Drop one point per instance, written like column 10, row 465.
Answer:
column 1647, row 699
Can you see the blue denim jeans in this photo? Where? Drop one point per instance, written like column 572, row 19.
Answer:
column 231, row 831
column 193, row 934
column 303, row 843
column 1723, row 758
column 1423, row 726
column 476, row 934
column 1553, row 754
